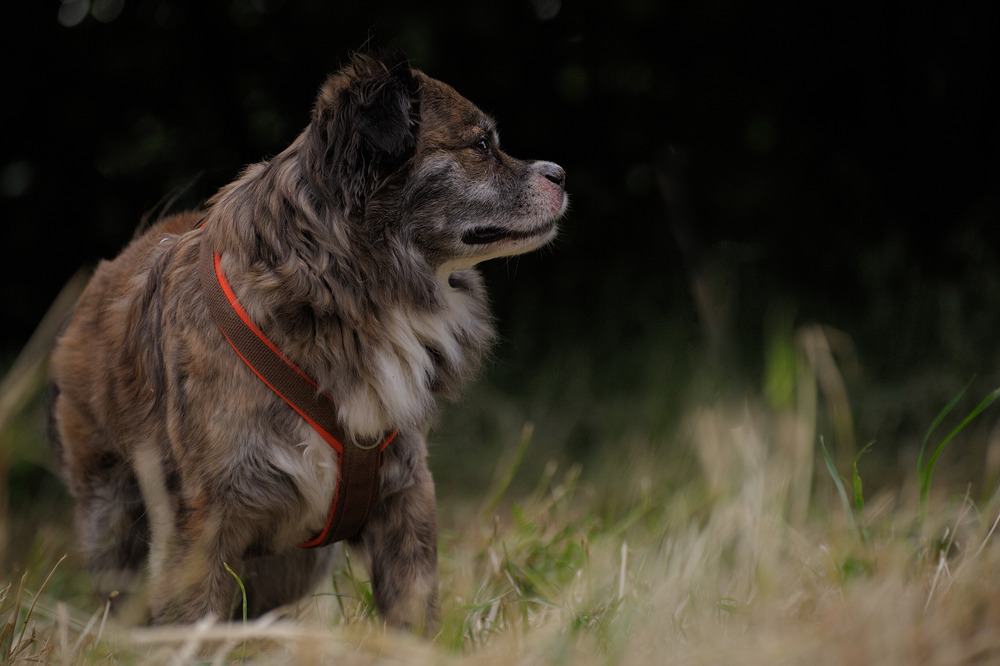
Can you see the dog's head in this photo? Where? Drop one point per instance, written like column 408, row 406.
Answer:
column 406, row 156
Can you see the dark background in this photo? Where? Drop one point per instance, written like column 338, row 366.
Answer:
column 736, row 170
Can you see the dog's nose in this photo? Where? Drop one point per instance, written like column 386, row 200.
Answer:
column 555, row 174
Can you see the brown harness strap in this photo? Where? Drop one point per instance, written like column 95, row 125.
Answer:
column 357, row 466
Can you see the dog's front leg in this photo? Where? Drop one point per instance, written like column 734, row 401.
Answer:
column 399, row 542
column 192, row 581
column 189, row 543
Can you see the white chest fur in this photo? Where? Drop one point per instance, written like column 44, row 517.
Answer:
column 396, row 393
column 312, row 464
column 399, row 375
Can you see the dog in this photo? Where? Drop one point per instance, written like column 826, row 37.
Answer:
column 353, row 250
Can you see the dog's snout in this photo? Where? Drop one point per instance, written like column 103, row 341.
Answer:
column 555, row 174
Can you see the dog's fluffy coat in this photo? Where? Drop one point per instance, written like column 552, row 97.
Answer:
column 353, row 250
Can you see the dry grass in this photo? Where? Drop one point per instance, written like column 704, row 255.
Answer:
column 691, row 575
column 750, row 559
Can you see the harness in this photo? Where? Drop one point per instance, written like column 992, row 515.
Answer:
column 357, row 465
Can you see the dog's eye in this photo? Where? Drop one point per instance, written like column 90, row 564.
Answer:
column 482, row 146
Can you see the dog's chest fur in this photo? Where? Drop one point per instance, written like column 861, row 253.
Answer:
column 415, row 354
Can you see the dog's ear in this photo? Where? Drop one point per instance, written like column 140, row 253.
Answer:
column 363, row 128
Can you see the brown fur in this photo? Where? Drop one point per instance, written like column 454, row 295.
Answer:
column 353, row 251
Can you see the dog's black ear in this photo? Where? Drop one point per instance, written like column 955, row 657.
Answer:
column 363, row 128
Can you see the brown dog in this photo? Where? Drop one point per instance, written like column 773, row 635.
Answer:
column 353, row 251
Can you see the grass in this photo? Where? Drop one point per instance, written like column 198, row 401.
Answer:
column 729, row 538
column 925, row 467
column 685, row 575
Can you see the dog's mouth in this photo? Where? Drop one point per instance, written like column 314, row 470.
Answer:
column 496, row 234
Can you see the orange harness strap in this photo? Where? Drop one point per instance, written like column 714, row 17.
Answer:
column 357, row 466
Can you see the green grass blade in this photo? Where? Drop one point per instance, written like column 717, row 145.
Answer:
column 508, row 477
column 937, row 421
column 838, row 483
column 927, row 469
column 339, row 597
column 982, row 406
column 243, row 591
column 859, row 496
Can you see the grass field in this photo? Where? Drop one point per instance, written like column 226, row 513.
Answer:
column 724, row 535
